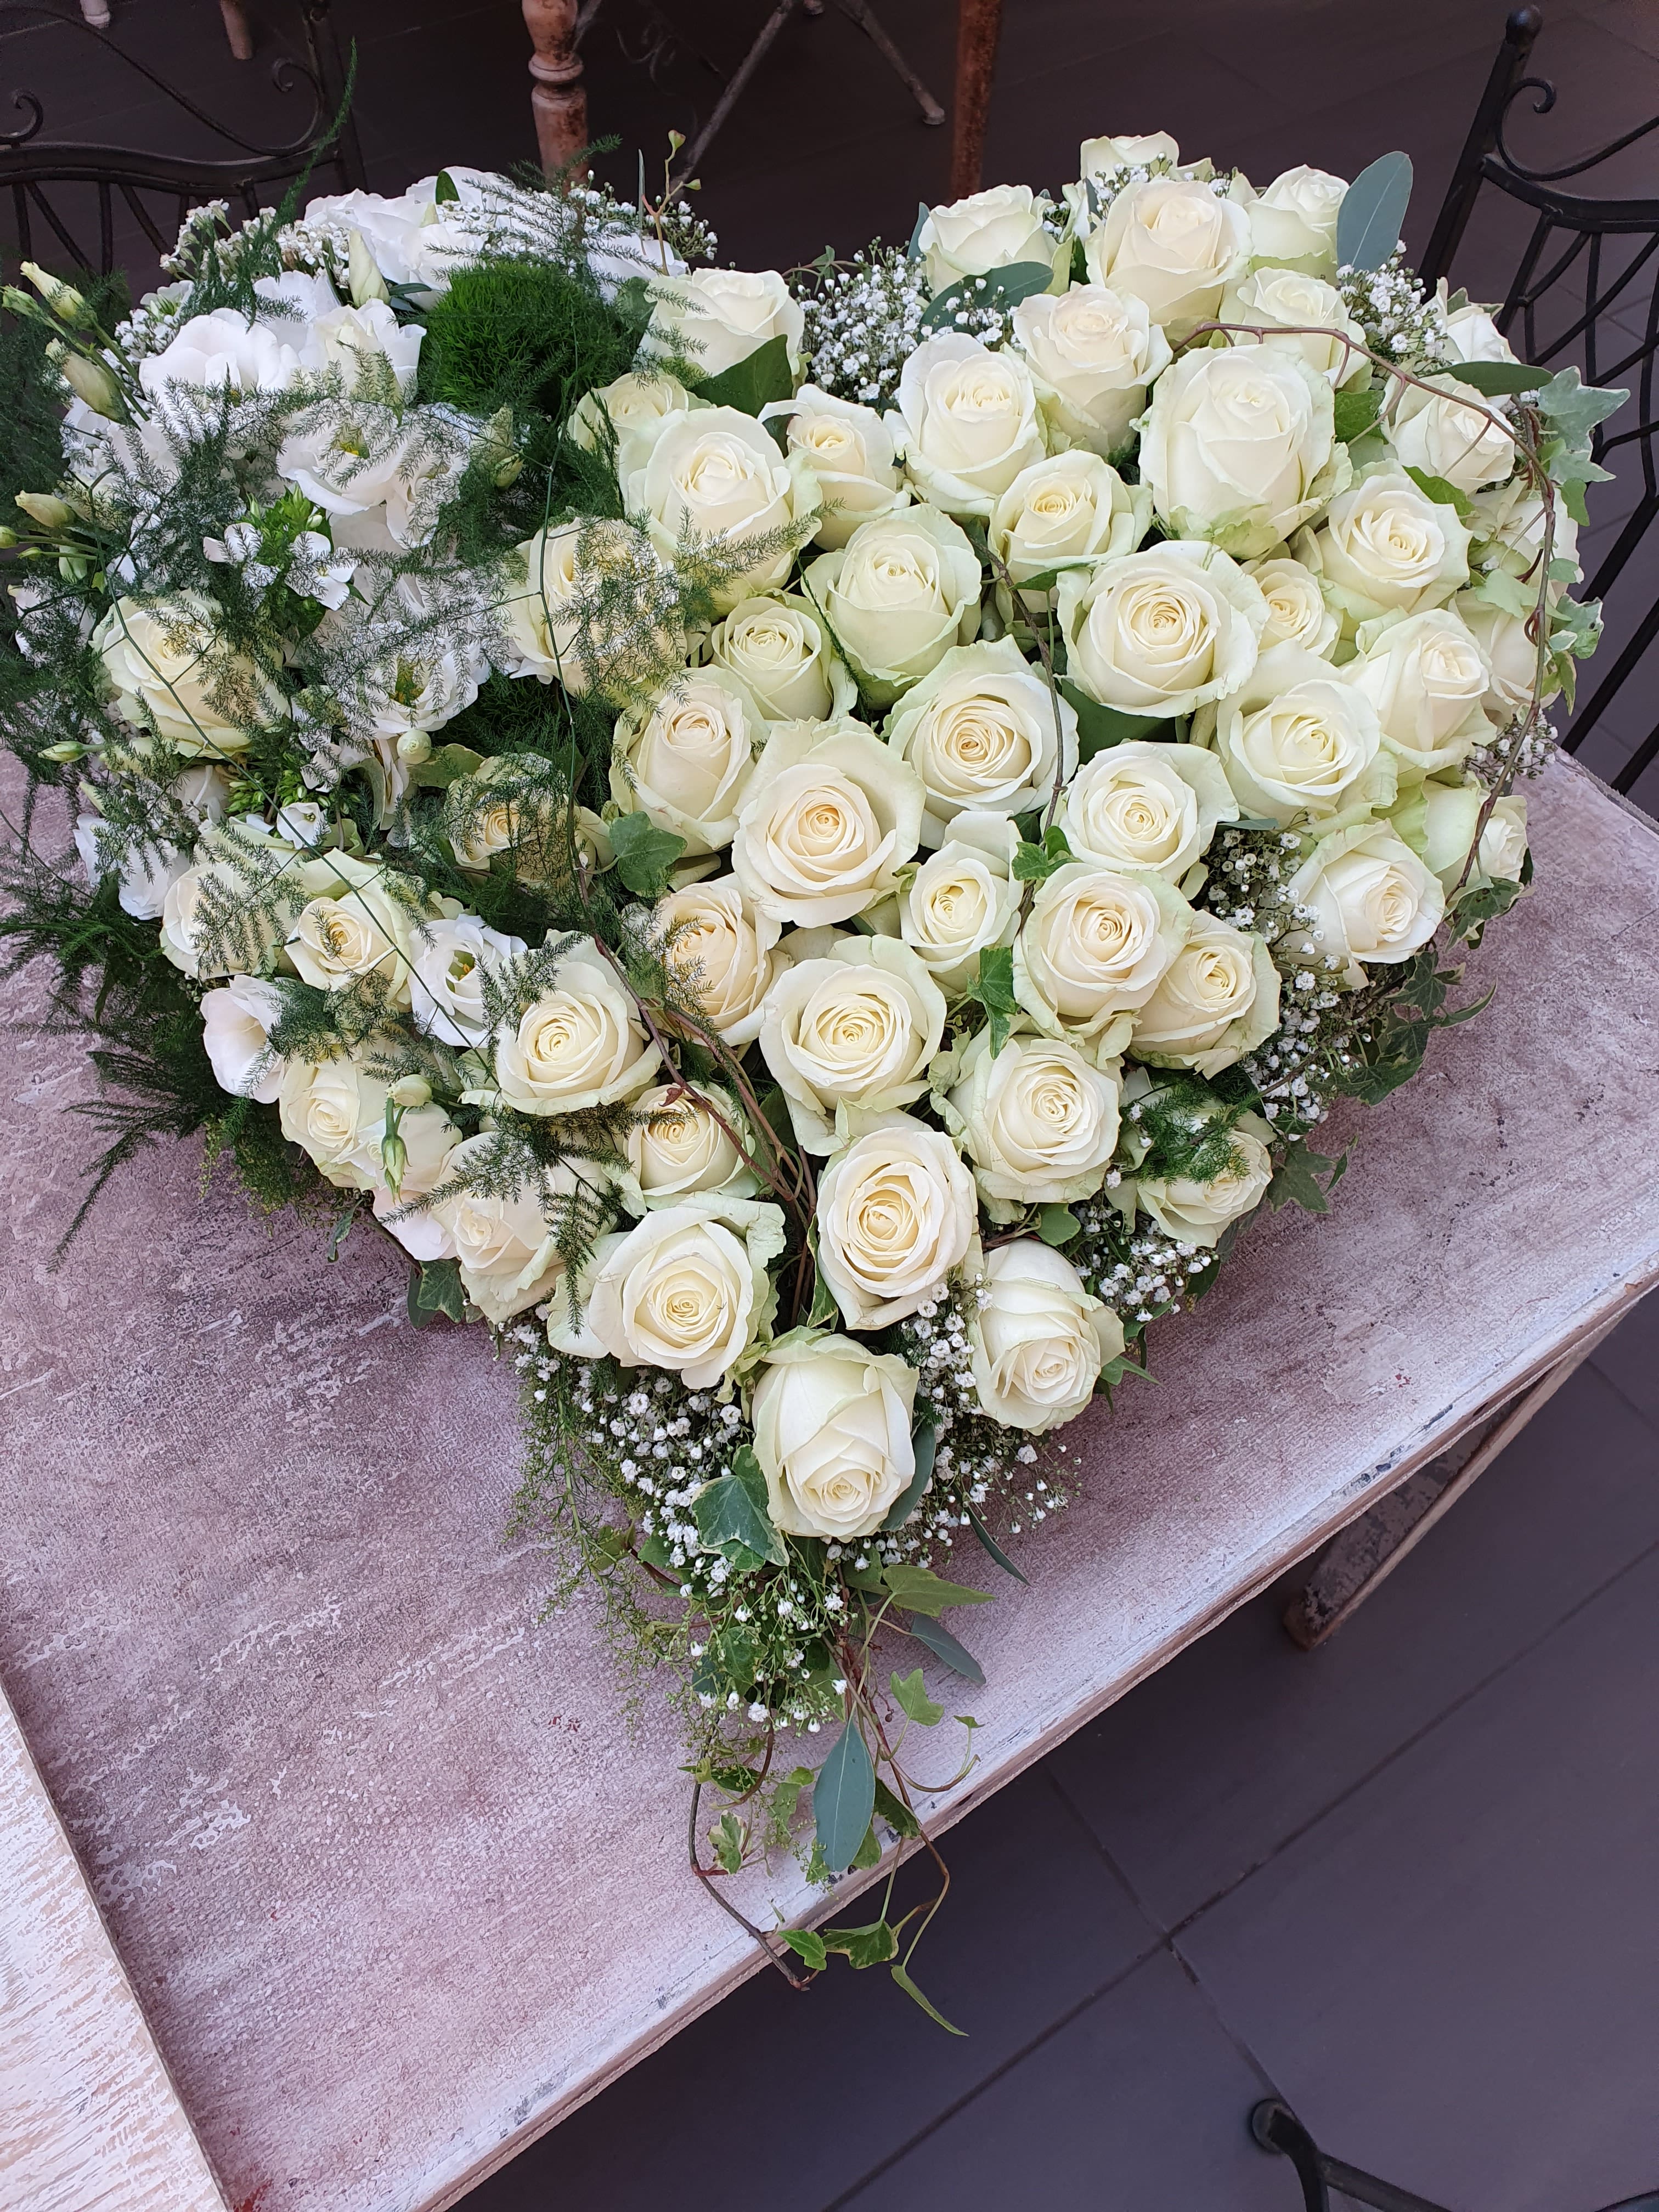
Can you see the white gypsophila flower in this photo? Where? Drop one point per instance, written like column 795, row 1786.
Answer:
column 984, row 733
column 966, row 423
column 236, row 1022
column 450, row 960
column 1152, row 806
column 829, row 817
column 897, row 596
column 1240, row 447
column 832, row 1435
column 686, row 760
column 895, row 1214
column 1092, row 354
column 721, row 954
column 1039, row 1338
column 850, row 451
column 850, row 1036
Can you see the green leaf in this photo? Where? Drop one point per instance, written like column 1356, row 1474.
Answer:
column 1099, row 727
column 913, row 252
column 1355, row 413
column 644, row 853
column 731, row 1510
column 439, row 772
column 946, row 1649
column 1442, row 493
column 916, row 1997
column 1057, row 1224
column 1473, row 908
column 1118, row 1369
column 910, row 1694
column 1373, row 213
column 1000, row 288
column 1034, row 864
column 995, row 1548
column 868, row 1853
column 1494, row 380
column 727, row 1837
column 919, row 1589
column 897, row 1814
column 843, row 1799
column 753, row 382
column 446, row 188
column 1574, row 408
column 924, row 1442
column 785, row 1794
column 824, row 1308
column 806, row 1944
column 1297, row 1181
column 864, row 1947
column 435, row 1288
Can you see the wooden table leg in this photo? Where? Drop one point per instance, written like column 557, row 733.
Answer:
column 978, row 23
column 238, row 29
column 558, row 99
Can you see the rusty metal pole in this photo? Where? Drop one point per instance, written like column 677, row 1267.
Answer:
column 558, row 99
column 978, row 23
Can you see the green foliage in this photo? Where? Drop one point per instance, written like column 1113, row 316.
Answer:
column 843, row 1799
column 1297, row 1181
column 1057, row 1224
column 910, row 1695
column 946, row 1648
column 434, row 1287
column 1442, row 493
column 1000, row 289
column 644, row 853
column 753, row 382
column 995, row 1549
column 1100, row 727
column 731, row 1516
column 994, row 991
column 1373, row 213
column 529, row 336
column 919, row 1589
column 1034, row 864
column 1355, row 414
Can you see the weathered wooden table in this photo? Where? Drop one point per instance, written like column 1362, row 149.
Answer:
column 392, row 1884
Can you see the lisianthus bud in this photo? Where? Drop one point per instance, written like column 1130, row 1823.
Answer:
column 67, row 751
column 412, row 1090
column 394, row 1159
column 65, row 302
column 363, row 276
column 90, row 382
column 46, row 508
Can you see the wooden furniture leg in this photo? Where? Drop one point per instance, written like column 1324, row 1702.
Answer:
column 96, row 12
column 978, row 23
column 238, row 29
column 558, row 99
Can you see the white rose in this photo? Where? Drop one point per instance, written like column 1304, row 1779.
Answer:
column 896, row 1214
column 555, row 628
column 1218, row 1000
column 966, row 422
column 1387, row 548
column 1240, row 447
column 993, row 229
column 979, row 733
column 508, row 1246
column 1299, row 740
column 780, row 652
column 1501, row 853
column 243, row 888
column 1040, row 1339
column 1038, row 1121
column 1450, row 432
column 1427, row 677
column 367, row 927
column 1063, row 512
column 850, row 451
column 1511, row 657
column 144, row 876
column 339, row 1114
column 720, row 955
column 856, row 1029
column 1373, row 899
column 1510, row 525
column 1096, row 944
column 236, row 1021
column 1153, row 806
column 1173, row 243
column 172, row 675
column 712, row 319
column 1296, row 612
column 1310, row 308
column 716, row 480
column 1470, row 333
column 686, row 1290
column 832, row 1435
column 1438, row 822
column 676, row 1146
column 830, row 817
column 961, row 900
column 901, row 591
column 1293, row 221
column 636, row 407
column 1092, row 354
column 580, row 1044
column 686, row 761
column 447, row 967
column 1197, row 1213
column 1162, row 631
column 1104, row 157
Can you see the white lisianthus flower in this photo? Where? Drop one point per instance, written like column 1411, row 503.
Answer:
column 896, row 1214
column 967, row 422
column 1427, row 679
column 390, row 225
column 447, row 966
column 857, row 1028
column 508, row 1245
column 686, row 761
column 1152, row 806
column 1293, row 221
column 830, row 817
column 144, row 877
column 382, row 484
column 850, row 451
column 1296, row 612
column 1096, row 946
column 1063, row 512
column 1039, row 1340
column 173, row 676
column 1038, row 1121
column 339, row 1113
column 366, row 926
column 1161, row 631
column 236, row 1022
column 715, row 479
column 1174, row 244
column 363, row 344
column 1450, row 432
column 1240, row 447
column 686, row 1288
column 780, row 652
column 418, row 689
column 226, row 351
column 1195, row 1212
column 1511, row 657
column 1218, row 1000
column 638, row 407
column 1387, row 548
column 832, row 1435
column 720, row 954
column 677, row 1147
column 1308, row 308
column 996, row 228
column 961, row 901
column 555, row 628
column 979, row 733
column 712, row 318
column 1092, row 354
column 1373, row 899
column 580, row 1044
column 901, row 591
column 1298, row 740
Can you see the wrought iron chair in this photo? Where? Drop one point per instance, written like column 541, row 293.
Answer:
column 1587, row 264
column 1276, row 2128
column 60, row 191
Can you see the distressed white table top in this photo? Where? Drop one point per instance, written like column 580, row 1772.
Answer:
column 392, row 1882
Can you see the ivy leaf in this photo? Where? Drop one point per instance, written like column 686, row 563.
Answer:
column 898, row 1814
column 753, row 382
column 1495, row 379
column 644, row 853
column 807, row 1945
column 916, row 1997
column 864, row 1947
column 994, row 991
column 731, row 1510
column 919, row 1589
column 868, row 1853
column 999, row 288
column 786, row 1796
column 1373, row 213
column 924, row 1442
column 1034, row 864
column 843, row 1799
column 1573, row 408
column 824, row 1307
column 1099, row 727
column 995, row 1548
column 1057, row 1224
column 946, row 1649
column 1297, row 1181
column 910, row 1694
column 1442, row 493
column 439, row 772
column 1355, row 413
column 727, row 1837
column 435, row 1288
column 1473, row 908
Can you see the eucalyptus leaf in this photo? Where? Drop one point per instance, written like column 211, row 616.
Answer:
column 1373, row 213
column 1495, row 379
column 753, row 382
column 843, row 1799
column 913, row 252
column 1057, row 1224
column 998, row 287
column 925, row 1443
column 995, row 1548
column 946, row 1649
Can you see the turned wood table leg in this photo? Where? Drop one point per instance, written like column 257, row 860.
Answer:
column 238, row 29
column 978, row 23
column 558, row 99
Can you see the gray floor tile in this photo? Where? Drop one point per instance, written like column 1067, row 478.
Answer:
column 1630, row 1359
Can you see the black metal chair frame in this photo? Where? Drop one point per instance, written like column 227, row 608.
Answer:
column 30, row 166
column 1568, row 254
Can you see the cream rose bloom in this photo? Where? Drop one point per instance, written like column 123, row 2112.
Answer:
column 554, row 630
column 1373, row 899
column 831, row 815
column 1094, row 945
column 367, row 926
column 1298, row 740
column 966, row 423
column 172, row 676
column 715, row 479
column 712, row 319
column 1387, row 548
column 1063, row 512
column 447, row 967
column 992, row 229
column 1092, row 354
column 1511, row 657
column 1039, row 1340
column 1152, row 806
column 1450, row 432
column 1162, row 631
column 1470, row 333
column 896, row 1214
column 217, row 882
column 508, row 1247
column 850, row 451
column 1510, row 525
column 1197, row 1213
column 1174, row 244
column 636, row 407
column 675, row 1147
column 1427, row 679
column 1317, row 320
column 1218, row 1000
column 1240, row 447
column 832, row 1434
column 784, row 658
column 1501, row 853
column 687, row 1289
column 901, row 591
column 1293, row 221
column 1038, row 1121
column 961, row 901
column 979, row 733
column 580, row 1044
column 1104, row 157
column 720, row 954
column 1296, row 612
column 687, row 759
column 236, row 1022
column 338, row 1113
column 855, row 1029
